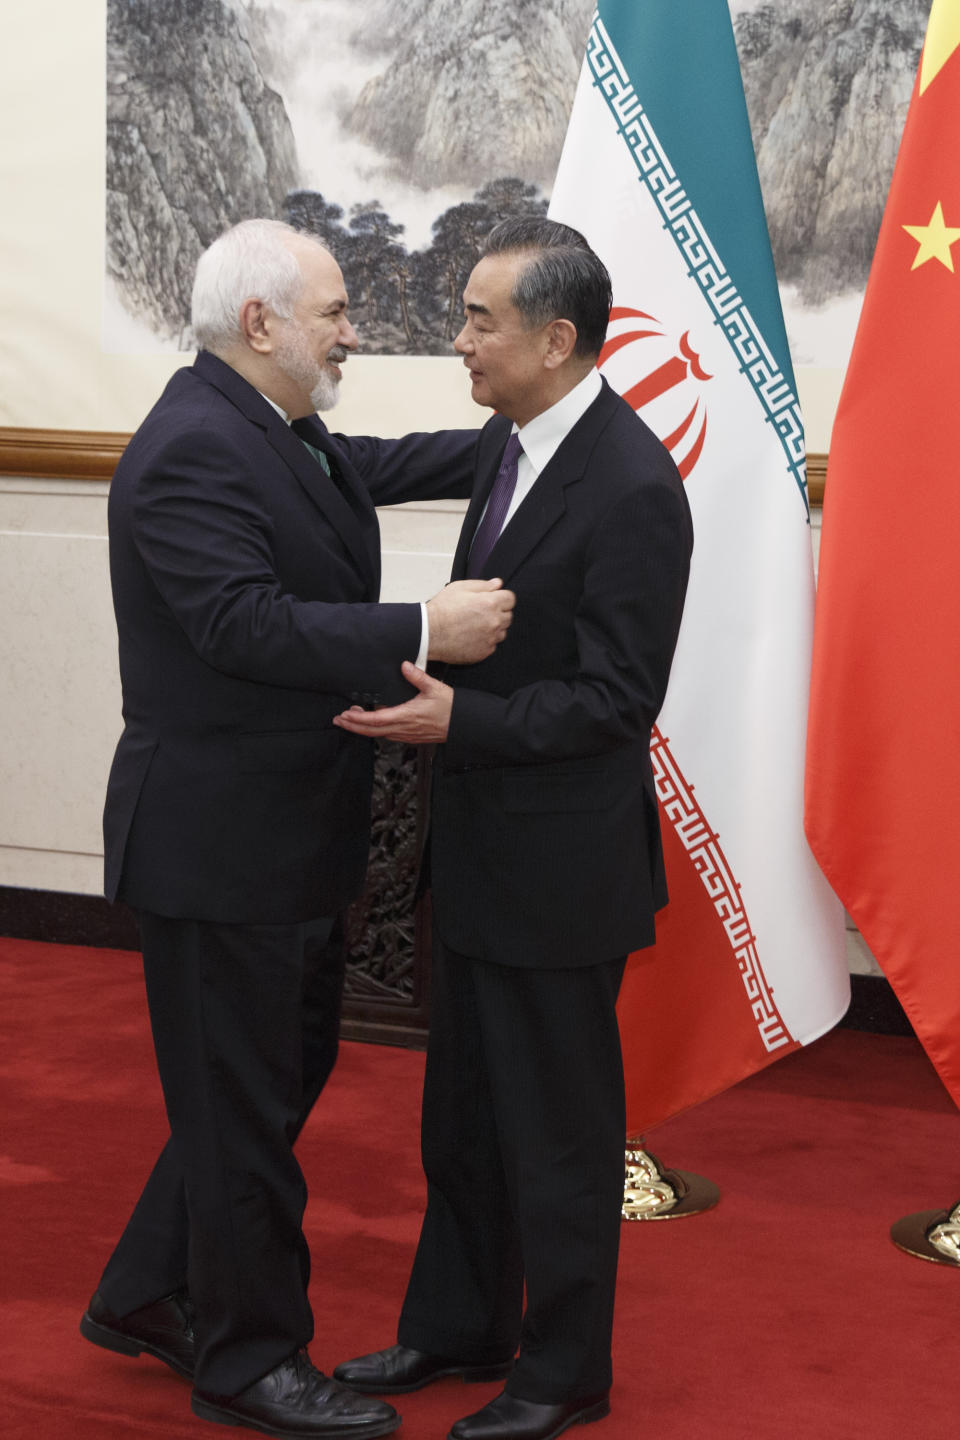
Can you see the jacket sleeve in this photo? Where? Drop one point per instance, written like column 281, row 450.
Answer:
column 421, row 466
column 626, row 628
column 206, row 541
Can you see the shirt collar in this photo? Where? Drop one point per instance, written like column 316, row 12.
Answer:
column 542, row 436
column 282, row 413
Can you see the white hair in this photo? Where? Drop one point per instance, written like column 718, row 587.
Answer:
column 253, row 260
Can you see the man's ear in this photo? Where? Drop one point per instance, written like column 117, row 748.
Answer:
column 561, row 343
column 256, row 324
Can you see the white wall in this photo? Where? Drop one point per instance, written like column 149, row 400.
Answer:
column 59, row 692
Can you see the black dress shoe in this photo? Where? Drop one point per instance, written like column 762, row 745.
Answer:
column 163, row 1329
column 510, row 1418
column 398, row 1370
column 296, row 1399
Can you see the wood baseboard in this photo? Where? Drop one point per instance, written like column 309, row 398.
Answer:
column 816, row 477
column 60, row 454
column 58, row 918
column 66, row 919
column 93, row 455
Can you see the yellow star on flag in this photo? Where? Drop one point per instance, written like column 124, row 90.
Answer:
column 934, row 239
column 943, row 37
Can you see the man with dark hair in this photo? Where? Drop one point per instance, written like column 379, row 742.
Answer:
column 245, row 563
column 544, row 851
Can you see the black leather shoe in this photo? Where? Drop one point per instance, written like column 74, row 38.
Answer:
column 163, row 1329
column 399, row 1370
column 296, row 1399
column 510, row 1418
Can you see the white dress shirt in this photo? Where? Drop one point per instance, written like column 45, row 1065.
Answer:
column 542, row 436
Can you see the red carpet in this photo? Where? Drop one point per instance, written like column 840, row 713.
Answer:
column 784, row 1313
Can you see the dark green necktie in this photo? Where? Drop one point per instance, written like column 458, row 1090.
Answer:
column 317, row 454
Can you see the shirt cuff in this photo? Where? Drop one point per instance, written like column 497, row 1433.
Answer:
column 421, row 660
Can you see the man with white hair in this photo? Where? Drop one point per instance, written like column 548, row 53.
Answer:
column 244, row 556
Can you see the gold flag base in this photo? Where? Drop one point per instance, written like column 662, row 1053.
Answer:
column 651, row 1192
column 930, row 1235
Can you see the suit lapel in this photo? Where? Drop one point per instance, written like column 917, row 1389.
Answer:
column 537, row 513
column 488, row 459
column 341, row 496
column 349, row 510
column 546, row 502
column 354, row 519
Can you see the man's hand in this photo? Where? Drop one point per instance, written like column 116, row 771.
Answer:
column 424, row 720
column 468, row 619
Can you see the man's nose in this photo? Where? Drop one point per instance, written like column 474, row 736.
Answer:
column 348, row 336
column 461, row 342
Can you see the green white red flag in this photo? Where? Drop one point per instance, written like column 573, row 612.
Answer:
column 658, row 171
column 883, row 756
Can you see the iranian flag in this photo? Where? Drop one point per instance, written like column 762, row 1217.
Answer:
column 658, row 172
column 883, row 760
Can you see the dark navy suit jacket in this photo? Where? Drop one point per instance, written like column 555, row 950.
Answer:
column 545, row 839
column 245, row 583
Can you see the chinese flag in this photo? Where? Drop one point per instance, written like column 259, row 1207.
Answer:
column 883, row 748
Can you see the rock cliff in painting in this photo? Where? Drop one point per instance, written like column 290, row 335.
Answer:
column 195, row 141
column 461, row 104
column 473, row 88
column 828, row 84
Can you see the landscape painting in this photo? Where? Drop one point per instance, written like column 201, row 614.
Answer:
column 401, row 134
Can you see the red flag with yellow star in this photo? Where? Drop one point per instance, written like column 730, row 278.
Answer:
column 883, row 746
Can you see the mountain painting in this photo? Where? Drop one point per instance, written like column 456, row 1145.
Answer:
column 399, row 134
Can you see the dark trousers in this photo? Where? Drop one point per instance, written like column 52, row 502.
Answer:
column 523, row 1149
column 245, row 1023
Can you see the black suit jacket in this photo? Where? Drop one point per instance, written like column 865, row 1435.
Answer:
column 245, row 583
column 545, row 840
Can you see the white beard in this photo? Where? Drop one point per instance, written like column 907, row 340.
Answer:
column 294, row 358
column 326, row 392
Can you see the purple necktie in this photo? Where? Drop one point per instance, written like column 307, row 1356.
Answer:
column 501, row 493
